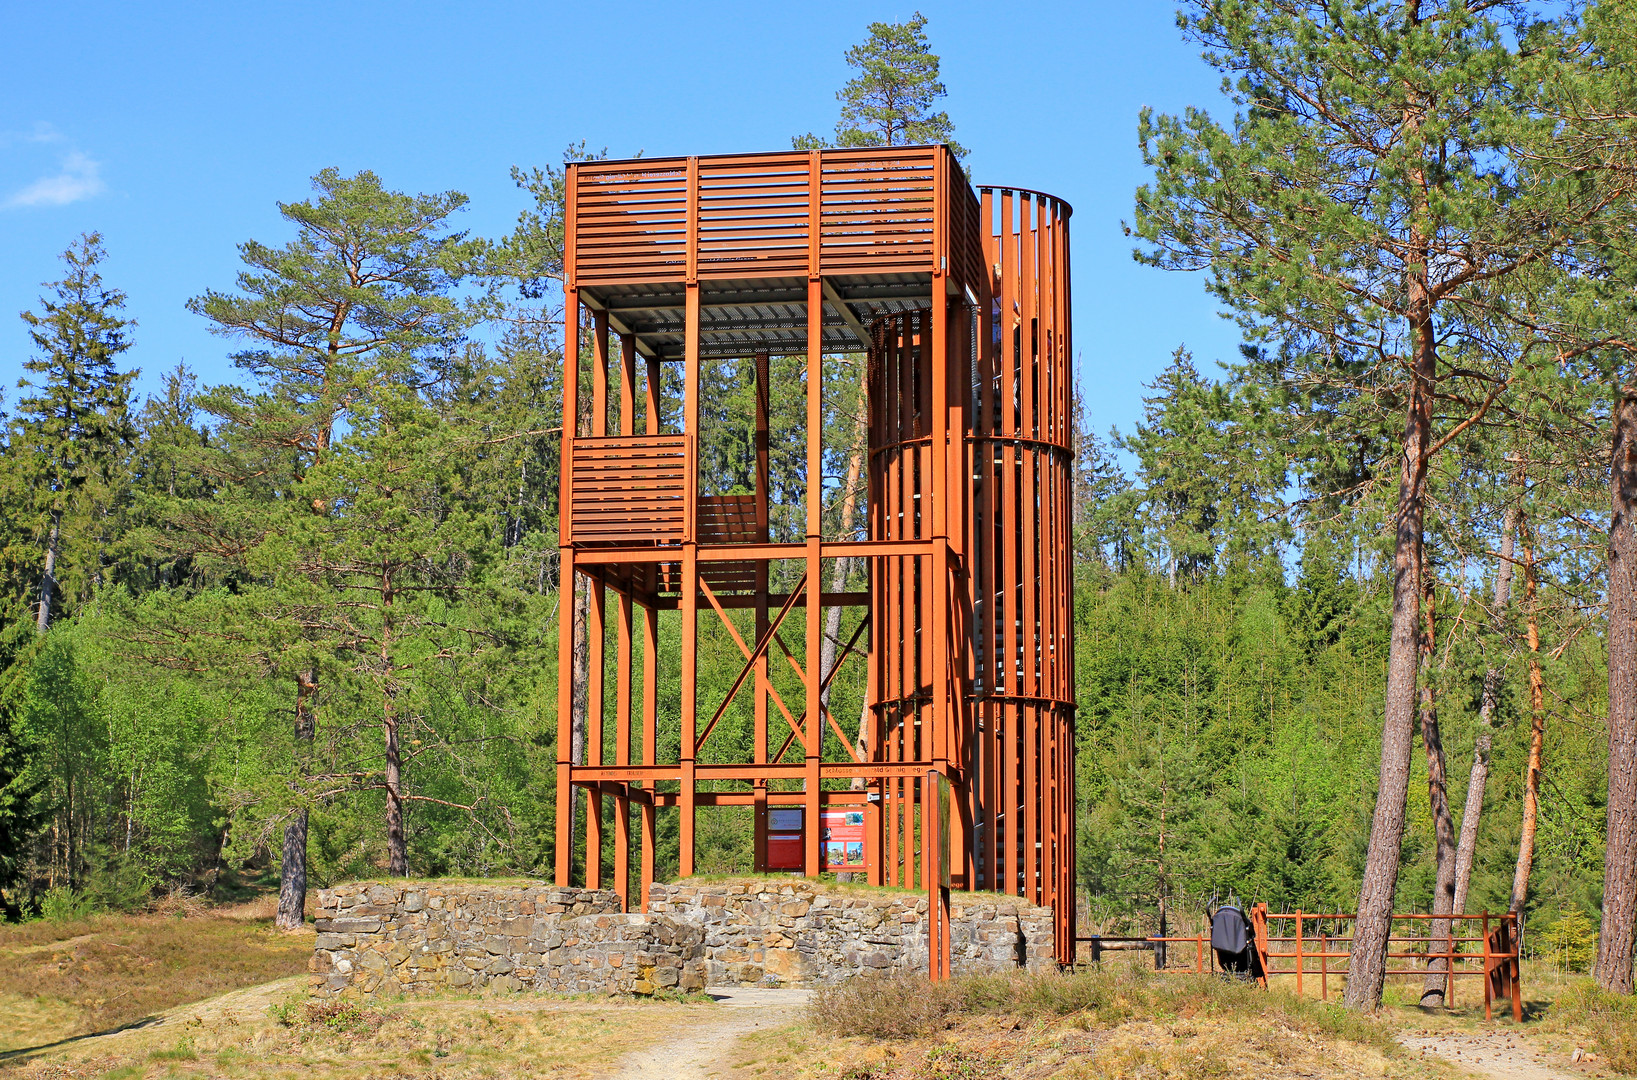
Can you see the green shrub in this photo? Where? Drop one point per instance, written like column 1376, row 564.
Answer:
column 1571, row 941
column 61, row 904
column 342, row 1017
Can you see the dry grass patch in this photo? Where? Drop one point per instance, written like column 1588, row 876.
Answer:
column 1606, row 1024
column 1117, row 1022
column 104, row 972
column 28, row 1021
column 281, row 1033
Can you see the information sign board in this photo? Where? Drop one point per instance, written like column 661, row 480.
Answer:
column 841, row 844
column 784, row 838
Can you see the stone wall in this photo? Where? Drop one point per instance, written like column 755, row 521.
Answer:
column 408, row 936
column 802, row 933
column 404, row 937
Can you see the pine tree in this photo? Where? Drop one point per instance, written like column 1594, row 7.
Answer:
column 1368, row 205
column 72, row 433
column 357, row 306
column 1178, row 449
column 1104, row 504
column 1591, row 98
column 889, row 102
column 1207, row 492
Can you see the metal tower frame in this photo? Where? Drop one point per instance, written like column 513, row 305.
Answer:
column 960, row 300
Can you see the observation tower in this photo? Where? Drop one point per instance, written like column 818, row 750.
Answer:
column 957, row 768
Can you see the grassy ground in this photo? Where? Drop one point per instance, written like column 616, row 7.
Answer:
column 216, row 992
column 1111, row 1022
column 62, row 979
column 1562, row 1013
column 276, row 1031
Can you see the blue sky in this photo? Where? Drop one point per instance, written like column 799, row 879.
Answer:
column 173, row 129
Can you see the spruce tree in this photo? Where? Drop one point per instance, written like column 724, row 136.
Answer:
column 22, row 809
column 72, row 433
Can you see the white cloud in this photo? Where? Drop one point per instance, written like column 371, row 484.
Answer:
column 42, row 133
column 80, row 178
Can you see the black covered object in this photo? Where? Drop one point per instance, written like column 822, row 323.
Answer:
column 1230, row 930
column 1230, row 937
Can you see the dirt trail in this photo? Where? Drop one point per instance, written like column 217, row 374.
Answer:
column 1502, row 1055
column 48, row 946
column 707, row 1050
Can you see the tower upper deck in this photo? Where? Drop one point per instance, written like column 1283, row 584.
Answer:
column 877, row 224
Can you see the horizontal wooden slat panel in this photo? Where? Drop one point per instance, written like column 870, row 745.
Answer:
column 727, row 519
column 629, row 488
column 753, row 216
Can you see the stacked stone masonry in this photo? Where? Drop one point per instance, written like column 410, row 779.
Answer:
column 802, row 934
column 413, row 937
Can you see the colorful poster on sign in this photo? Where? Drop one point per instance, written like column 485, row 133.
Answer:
column 842, row 841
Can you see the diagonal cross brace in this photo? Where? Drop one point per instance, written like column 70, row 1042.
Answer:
column 835, row 667
column 751, row 656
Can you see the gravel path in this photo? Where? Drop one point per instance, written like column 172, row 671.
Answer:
column 1498, row 1054
column 706, row 1050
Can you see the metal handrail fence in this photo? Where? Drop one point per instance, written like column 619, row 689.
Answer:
column 1497, row 956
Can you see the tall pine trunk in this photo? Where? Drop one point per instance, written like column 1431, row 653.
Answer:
column 1368, row 957
column 1443, row 893
column 844, row 524
column 582, row 689
column 1482, row 747
column 293, row 865
column 48, row 577
column 1537, row 738
column 397, row 846
column 1614, row 941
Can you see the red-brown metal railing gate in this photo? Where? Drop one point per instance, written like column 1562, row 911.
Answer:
column 1496, row 955
column 962, row 306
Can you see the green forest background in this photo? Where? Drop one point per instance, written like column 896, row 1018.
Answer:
column 223, row 606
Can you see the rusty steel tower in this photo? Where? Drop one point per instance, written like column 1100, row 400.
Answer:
column 959, row 300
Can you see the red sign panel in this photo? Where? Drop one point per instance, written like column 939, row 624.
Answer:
column 784, row 838
column 841, row 843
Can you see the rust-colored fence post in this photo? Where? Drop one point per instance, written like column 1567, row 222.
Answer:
column 1449, row 967
column 1485, row 931
column 1515, row 969
column 1301, row 963
column 1324, row 966
column 1259, row 927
